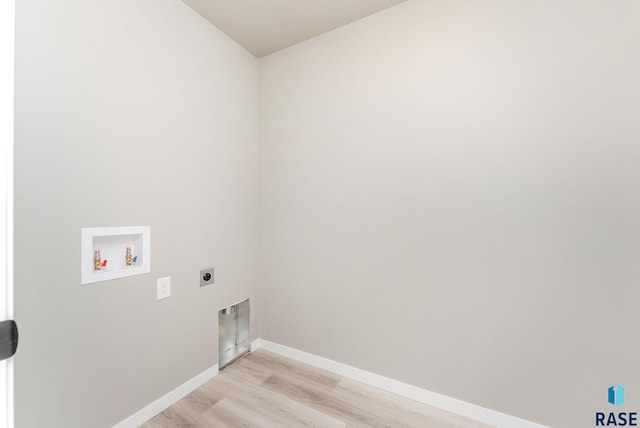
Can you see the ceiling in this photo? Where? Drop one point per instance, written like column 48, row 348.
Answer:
column 266, row 26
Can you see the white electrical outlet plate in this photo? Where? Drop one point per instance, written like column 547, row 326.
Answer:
column 164, row 287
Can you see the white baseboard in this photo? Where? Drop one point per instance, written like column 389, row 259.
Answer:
column 462, row 408
column 174, row 396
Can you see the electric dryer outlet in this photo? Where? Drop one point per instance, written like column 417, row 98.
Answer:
column 206, row 277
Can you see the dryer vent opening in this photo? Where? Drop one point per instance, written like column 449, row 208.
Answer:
column 233, row 332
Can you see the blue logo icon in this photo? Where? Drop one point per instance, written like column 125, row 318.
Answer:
column 616, row 395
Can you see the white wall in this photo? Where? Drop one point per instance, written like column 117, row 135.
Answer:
column 448, row 197
column 127, row 113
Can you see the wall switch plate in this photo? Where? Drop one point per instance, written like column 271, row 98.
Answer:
column 164, row 287
column 206, row 277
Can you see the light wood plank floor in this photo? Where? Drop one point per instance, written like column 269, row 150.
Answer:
column 263, row 389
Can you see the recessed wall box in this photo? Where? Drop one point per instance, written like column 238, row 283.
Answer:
column 106, row 251
column 234, row 339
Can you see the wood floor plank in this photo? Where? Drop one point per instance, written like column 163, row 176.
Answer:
column 263, row 389
column 233, row 414
column 280, row 364
column 249, row 370
column 167, row 419
column 176, row 416
column 276, row 407
column 392, row 407
column 321, row 400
